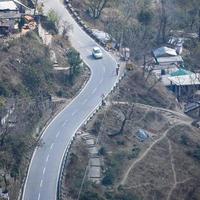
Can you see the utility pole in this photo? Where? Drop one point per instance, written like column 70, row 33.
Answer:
column 36, row 2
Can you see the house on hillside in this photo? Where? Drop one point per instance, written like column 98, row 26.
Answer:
column 166, row 56
column 183, row 82
column 164, row 52
column 9, row 16
column 11, row 12
column 177, row 44
column 166, row 61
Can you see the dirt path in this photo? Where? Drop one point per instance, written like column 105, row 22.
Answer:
column 144, row 154
column 181, row 115
column 181, row 119
column 173, row 170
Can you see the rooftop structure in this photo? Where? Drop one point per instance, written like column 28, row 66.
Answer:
column 142, row 135
column 8, row 6
column 164, row 52
column 185, row 80
column 181, row 72
column 169, row 60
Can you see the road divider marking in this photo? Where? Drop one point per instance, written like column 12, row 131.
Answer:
column 84, row 102
column 79, row 42
column 39, row 196
column 93, row 91
column 64, row 123
column 44, row 170
column 41, row 183
column 74, row 112
column 88, row 50
column 47, row 158
column 51, row 147
column 101, row 81
column 57, row 134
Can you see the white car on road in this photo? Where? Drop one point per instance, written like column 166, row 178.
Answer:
column 97, row 53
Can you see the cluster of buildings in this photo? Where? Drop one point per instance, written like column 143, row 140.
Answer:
column 11, row 14
column 169, row 66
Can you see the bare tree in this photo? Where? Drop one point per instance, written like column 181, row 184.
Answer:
column 161, row 36
column 96, row 7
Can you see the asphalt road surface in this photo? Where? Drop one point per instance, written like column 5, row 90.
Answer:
column 43, row 174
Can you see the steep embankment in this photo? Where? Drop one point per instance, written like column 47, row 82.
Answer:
column 163, row 165
column 31, row 91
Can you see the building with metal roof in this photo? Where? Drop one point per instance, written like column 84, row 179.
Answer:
column 169, row 60
column 164, row 52
column 181, row 72
column 185, row 80
column 8, row 6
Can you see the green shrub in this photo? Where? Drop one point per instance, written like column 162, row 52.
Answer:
column 88, row 195
column 184, row 140
column 122, row 195
column 195, row 153
column 74, row 61
column 4, row 91
column 134, row 153
column 108, row 178
column 31, row 78
column 102, row 151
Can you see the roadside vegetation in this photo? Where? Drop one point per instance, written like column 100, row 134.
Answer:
column 164, row 165
column 32, row 91
column 143, row 25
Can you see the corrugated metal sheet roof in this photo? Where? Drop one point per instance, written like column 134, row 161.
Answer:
column 169, row 60
column 10, row 15
column 192, row 79
column 7, row 5
column 164, row 51
column 181, row 72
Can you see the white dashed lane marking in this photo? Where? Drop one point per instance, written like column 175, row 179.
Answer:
column 44, row 170
column 41, row 183
column 39, row 196
column 74, row 112
column 84, row 102
column 93, row 91
column 51, row 147
column 57, row 134
column 47, row 158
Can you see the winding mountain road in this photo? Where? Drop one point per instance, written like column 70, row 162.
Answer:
column 43, row 174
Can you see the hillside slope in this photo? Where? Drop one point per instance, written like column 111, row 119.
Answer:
column 164, row 165
column 31, row 92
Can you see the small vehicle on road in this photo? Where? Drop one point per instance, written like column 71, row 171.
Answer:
column 97, row 53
